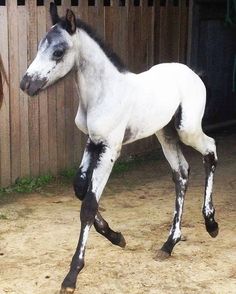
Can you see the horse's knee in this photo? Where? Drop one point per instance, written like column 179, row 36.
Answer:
column 80, row 184
column 180, row 178
column 210, row 162
column 89, row 208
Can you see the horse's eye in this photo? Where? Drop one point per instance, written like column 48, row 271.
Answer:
column 57, row 54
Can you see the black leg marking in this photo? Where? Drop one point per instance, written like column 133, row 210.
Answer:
column 89, row 209
column 103, row 228
column 83, row 178
column 180, row 179
column 81, row 182
column 208, row 210
column 169, row 140
column 178, row 117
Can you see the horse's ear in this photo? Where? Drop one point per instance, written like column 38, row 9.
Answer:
column 70, row 22
column 53, row 12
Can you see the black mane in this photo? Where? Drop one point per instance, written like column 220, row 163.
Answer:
column 113, row 57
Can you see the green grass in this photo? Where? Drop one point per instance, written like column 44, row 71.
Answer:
column 35, row 184
column 27, row 185
column 68, row 173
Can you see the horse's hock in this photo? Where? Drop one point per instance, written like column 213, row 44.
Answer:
column 38, row 135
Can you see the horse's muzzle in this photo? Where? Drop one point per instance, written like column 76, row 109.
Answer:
column 32, row 86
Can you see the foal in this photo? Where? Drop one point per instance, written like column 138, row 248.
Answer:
column 119, row 107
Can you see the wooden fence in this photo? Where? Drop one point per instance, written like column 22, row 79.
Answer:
column 38, row 135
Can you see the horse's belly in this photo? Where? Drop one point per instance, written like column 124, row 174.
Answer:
column 146, row 125
column 149, row 117
column 81, row 121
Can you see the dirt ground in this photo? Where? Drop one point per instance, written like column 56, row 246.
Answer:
column 40, row 232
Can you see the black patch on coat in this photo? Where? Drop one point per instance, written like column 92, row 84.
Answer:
column 53, row 35
column 88, row 211
column 210, row 163
column 128, row 135
column 96, row 151
column 103, row 228
column 180, row 189
column 32, row 86
column 113, row 57
column 80, row 184
column 178, row 117
column 82, row 180
column 170, row 133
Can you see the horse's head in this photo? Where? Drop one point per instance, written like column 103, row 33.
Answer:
column 56, row 54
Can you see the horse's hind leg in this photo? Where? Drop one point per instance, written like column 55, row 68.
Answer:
column 206, row 146
column 81, row 183
column 168, row 138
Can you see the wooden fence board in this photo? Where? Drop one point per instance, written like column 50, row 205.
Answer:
column 183, row 31
column 60, row 112
column 52, row 114
column 5, row 156
column 23, row 98
column 34, row 101
column 43, row 104
column 135, row 55
column 14, row 90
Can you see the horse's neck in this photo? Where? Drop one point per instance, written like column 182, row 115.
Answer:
column 95, row 73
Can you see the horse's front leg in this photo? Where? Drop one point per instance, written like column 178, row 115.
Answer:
column 81, row 185
column 103, row 157
column 102, row 227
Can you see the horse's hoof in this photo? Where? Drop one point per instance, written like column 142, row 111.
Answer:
column 161, row 255
column 213, row 229
column 214, row 233
column 67, row 290
column 122, row 242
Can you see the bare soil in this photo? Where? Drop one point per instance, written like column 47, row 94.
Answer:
column 39, row 232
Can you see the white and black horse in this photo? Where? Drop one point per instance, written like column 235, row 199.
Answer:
column 118, row 107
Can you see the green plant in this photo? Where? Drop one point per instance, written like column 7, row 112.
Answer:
column 68, row 173
column 27, row 185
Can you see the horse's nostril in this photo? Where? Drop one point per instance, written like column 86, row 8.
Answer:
column 27, row 84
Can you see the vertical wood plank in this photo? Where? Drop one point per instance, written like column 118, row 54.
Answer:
column 123, row 32
column 69, row 113
column 43, row 103
column 5, row 156
column 156, row 53
column 52, row 113
column 60, row 105
column 169, row 21
column 135, row 55
column 183, row 31
column 23, row 99
column 14, row 90
column 33, row 102
column 148, row 33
